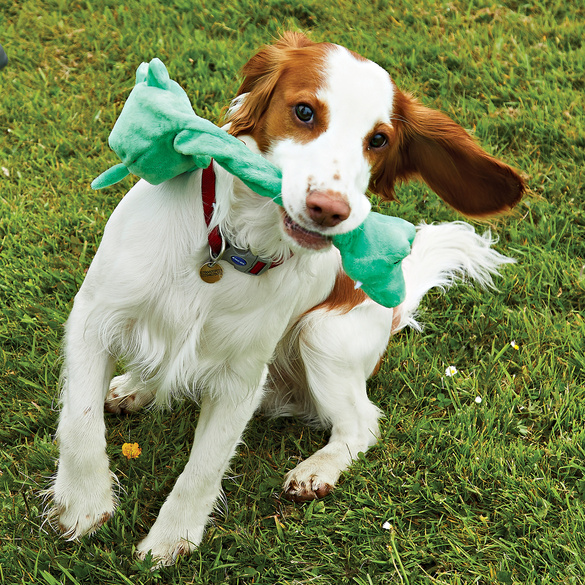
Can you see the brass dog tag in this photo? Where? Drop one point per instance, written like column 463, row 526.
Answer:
column 210, row 272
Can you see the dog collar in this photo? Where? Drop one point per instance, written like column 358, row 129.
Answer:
column 219, row 247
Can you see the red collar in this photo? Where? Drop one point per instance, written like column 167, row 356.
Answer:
column 208, row 194
column 242, row 260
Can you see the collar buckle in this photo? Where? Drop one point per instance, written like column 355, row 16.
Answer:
column 246, row 261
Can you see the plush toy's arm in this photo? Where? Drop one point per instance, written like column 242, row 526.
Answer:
column 233, row 155
column 110, row 177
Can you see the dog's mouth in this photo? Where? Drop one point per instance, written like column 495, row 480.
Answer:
column 304, row 237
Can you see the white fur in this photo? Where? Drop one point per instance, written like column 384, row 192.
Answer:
column 442, row 254
column 243, row 341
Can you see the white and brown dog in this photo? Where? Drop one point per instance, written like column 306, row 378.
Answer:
column 295, row 336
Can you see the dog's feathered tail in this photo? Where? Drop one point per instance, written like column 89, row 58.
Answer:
column 442, row 254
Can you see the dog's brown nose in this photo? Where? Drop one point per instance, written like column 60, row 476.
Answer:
column 327, row 208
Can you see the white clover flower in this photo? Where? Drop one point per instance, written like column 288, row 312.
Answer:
column 387, row 525
column 478, row 399
column 450, row 371
column 514, row 345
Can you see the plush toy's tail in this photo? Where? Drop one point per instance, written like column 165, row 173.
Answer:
column 442, row 254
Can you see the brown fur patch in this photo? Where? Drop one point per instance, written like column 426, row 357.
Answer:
column 378, row 365
column 396, row 318
column 276, row 79
column 344, row 296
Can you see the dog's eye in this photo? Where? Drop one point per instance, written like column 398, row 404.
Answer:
column 304, row 113
column 378, row 140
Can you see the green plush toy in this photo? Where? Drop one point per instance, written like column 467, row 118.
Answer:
column 158, row 136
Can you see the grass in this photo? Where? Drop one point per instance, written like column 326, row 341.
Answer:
column 489, row 492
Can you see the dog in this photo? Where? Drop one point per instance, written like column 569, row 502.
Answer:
column 292, row 334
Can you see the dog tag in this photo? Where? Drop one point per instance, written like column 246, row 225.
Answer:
column 210, row 273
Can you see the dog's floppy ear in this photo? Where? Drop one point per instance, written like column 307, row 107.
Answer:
column 428, row 144
column 261, row 74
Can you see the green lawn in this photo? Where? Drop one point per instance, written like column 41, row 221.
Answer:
column 456, row 491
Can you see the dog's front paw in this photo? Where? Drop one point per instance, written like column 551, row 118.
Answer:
column 310, row 480
column 74, row 524
column 304, row 491
column 80, row 509
column 165, row 547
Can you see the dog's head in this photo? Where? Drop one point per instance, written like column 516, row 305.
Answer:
column 336, row 124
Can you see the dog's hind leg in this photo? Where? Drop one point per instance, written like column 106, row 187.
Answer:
column 127, row 395
column 340, row 349
column 82, row 491
column 339, row 354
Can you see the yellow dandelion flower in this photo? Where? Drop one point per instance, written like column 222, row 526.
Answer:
column 131, row 450
column 514, row 345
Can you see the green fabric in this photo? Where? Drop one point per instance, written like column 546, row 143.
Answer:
column 372, row 254
column 158, row 136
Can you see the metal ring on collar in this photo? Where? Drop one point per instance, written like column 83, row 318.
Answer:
column 215, row 259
